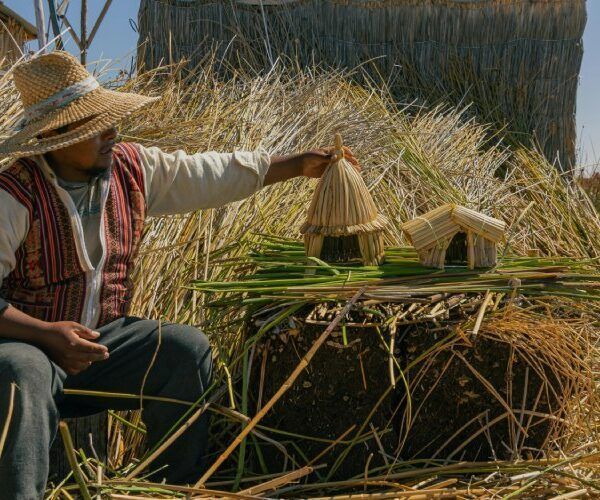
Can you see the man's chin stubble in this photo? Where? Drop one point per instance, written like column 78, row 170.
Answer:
column 100, row 169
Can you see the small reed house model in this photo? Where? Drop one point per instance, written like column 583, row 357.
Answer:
column 343, row 223
column 452, row 234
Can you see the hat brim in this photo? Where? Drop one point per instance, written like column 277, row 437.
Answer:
column 104, row 108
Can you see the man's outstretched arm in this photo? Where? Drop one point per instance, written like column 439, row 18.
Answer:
column 179, row 182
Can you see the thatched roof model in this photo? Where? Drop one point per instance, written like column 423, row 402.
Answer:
column 341, row 207
column 445, row 221
column 342, row 204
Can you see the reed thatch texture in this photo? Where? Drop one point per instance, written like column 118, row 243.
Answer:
column 14, row 33
column 518, row 61
column 480, row 224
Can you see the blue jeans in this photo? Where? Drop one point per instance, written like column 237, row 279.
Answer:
column 182, row 370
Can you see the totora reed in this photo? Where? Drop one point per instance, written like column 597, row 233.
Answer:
column 343, row 222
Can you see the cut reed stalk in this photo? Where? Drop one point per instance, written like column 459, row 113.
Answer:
column 9, row 413
column 70, row 451
column 277, row 482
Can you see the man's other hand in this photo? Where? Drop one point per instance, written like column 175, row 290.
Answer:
column 70, row 346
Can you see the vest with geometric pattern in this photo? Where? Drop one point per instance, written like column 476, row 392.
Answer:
column 48, row 281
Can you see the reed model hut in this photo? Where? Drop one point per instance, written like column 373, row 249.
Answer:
column 452, row 234
column 14, row 33
column 343, row 223
column 517, row 61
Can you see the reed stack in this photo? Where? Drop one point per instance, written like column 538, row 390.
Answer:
column 516, row 61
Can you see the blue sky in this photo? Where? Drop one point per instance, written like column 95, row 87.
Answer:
column 116, row 41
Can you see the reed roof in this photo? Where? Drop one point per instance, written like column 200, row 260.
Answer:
column 445, row 221
column 342, row 204
column 6, row 13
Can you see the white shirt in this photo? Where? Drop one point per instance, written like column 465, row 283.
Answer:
column 174, row 183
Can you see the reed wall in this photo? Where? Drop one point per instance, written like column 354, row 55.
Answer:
column 12, row 39
column 516, row 61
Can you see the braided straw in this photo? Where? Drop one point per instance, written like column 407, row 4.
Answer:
column 56, row 90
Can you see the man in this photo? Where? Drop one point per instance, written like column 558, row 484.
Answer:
column 72, row 210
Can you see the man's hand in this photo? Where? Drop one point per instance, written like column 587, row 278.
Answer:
column 309, row 164
column 69, row 345
column 316, row 161
column 66, row 343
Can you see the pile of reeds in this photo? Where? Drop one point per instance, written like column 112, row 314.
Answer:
column 411, row 165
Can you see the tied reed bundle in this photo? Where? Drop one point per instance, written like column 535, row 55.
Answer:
column 343, row 222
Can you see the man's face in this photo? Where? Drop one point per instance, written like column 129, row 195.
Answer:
column 90, row 157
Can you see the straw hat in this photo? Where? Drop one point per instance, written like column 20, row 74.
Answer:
column 57, row 90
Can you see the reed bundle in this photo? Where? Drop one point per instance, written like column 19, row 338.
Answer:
column 437, row 225
column 281, row 274
column 343, row 222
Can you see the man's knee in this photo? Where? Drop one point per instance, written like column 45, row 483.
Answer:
column 24, row 364
column 32, row 372
column 189, row 347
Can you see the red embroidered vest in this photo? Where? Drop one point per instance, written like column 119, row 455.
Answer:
column 48, row 281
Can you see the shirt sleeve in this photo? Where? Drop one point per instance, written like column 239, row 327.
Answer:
column 14, row 224
column 179, row 183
